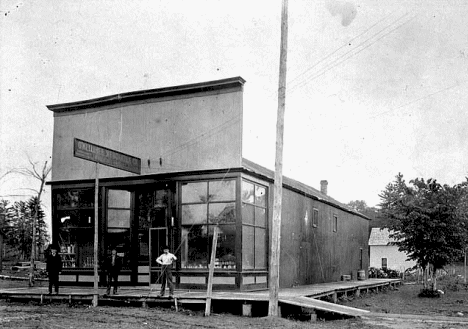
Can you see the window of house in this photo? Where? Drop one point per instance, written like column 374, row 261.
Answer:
column 75, row 222
column 205, row 205
column 384, row 263
column 254, row 224
column 315, row 216
column 335, row 223
column 118, row 223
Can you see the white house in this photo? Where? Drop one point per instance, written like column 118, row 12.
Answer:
column 384, row 254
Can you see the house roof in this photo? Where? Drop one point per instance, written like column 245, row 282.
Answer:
column 380, row 237
column 148, row 94
column 299, row 187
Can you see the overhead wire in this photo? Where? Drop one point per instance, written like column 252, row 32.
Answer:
column 203, row 135
column 338, row 49
column 408, row 104
column 337, row 61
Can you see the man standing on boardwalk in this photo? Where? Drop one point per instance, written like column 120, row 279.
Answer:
column 112, row 266
column 53, row 268
column 166, row 260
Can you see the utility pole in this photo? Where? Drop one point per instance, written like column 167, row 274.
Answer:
column 96, row 239
column 278, row 186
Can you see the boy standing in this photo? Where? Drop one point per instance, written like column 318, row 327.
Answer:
column 112, row 267
column 53, row 268
column 166, row 260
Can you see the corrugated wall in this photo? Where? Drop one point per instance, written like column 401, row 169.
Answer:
column 318, row 254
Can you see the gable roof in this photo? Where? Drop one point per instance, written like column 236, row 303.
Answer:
column 297, row 186
column 380, row 237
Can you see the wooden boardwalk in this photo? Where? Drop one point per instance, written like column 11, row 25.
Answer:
column 306, row 297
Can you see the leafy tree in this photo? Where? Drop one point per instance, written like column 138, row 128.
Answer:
column 358, row 205
column 5, row 211
column 20, row 232
column 41, row 176
column 426, row 220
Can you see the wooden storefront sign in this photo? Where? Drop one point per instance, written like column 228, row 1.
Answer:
column 105, row 156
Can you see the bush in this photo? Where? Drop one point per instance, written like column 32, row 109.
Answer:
column 429, row 293
column 453, row 283
column 383, row 273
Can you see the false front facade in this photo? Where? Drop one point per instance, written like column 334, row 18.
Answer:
column 192, row 179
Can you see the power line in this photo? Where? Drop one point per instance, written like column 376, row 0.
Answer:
column 411, row 102
column 338, row 49
column 330, row 66
column 202, row 136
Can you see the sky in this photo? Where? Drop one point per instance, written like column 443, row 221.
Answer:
column 374, row 88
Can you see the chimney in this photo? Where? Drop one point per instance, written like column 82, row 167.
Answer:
column 324, row 186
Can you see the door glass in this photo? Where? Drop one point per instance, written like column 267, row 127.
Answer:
column 158, row 239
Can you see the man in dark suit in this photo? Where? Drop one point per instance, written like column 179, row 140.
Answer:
column 53, row 268
column 112, row 267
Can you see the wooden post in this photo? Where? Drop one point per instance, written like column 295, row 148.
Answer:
column 246, row 309
column 96, row 240
column 278, row 186
column 211, row 271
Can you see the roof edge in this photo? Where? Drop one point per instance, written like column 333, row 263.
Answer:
column 150, row 93
column 306, row 190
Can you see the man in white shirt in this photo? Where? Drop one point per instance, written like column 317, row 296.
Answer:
column 166, row 260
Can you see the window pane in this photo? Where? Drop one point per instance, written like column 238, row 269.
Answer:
column 247, row 192
column 85, row 247
column 247, row 247
column 118, row 218
column 248, row 214
column 260, row 253
column 75, row 218
column 75, row 198
column 222, row 213
column 222, row 190
column 120, row 239
column 315, row 217
column 260, row 216
column 194, row 192
column 118, row 199
column 194, row 214
column 143, row 242
column 260, row 196
column 194, row 248
column 225, row 250
column 77, row 247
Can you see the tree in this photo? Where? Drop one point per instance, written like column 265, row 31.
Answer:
column 20, row 233
column 426, row 221
column 4, row 226
column 358, row 205
column 41, row 175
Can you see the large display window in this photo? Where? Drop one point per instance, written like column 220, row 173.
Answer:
column 254, row 225
column 205, row 205
column 119, row 214
column 75, row 221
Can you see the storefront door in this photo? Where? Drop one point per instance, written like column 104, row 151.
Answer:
column 158, row 239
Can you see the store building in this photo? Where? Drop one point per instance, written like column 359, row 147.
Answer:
column 193, row 178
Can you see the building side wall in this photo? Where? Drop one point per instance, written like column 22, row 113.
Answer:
column 173, row 134
column 318, row 254
column 396, row 260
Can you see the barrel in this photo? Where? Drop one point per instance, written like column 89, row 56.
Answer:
column 361, row 275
